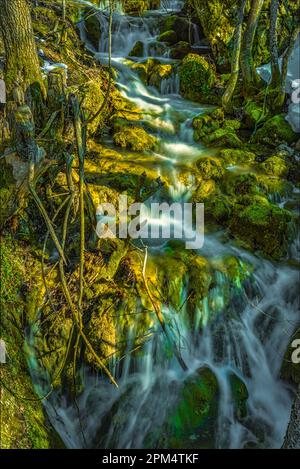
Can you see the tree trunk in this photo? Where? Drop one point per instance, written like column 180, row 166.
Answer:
column 235, row 66
column 273, row 44
column 292, row 437
column 247, row 65
column 22, row 65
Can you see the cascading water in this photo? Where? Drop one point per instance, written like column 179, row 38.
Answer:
column 246, row 335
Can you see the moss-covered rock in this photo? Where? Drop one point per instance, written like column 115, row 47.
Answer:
column 92, row 27
column 180, row 50
column 179, row 25
column 241, row 184
column 192, row 422
column 254, row 113
column 224, row 138
column 218, row 209
column 135, row 7
column 261, row 226
column 275, row 131
column 210, row 168
column 134, row 138
column 137, row 50
column 275, row 166
column 213, row 129
column 240, row 395
column 234, row 156
column 170, row 37
column 197, row 77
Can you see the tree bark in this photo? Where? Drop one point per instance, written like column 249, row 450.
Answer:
column 247, row 65
column 235, row 66
column 274, row 43
column 22, row 65
column 292, row 437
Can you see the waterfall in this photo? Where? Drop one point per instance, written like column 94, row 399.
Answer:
column 246, row 335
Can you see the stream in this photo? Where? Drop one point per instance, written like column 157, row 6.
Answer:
column 253, row 321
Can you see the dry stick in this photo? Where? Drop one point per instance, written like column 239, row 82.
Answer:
column 47, row 220
column 160, row 316
column 81, row 152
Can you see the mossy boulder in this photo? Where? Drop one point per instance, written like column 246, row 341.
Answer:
column 254, row 113
column 135, row 7
column 206, row 189
column 134, row 138
column 240, row 396
column 210, row 168
column 158, row 73
column 261, row 225
column 218, row 209
column 192, row 423
column 223, row 138
column 170, row 37
column 275, row 131
column 275, row 166
column 235, row 156
column 92, row 27
column 137, row 50
column 197, row 77
column 180, row 50
column 179, row 25
column 241, row 184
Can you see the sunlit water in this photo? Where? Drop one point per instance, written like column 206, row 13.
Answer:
column 242, row 328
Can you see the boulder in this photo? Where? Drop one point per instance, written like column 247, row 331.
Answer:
column 197, row 77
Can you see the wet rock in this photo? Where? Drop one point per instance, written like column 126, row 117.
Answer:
column 210, row 168
column 192, row 422
column 134, row 138
column 275, row 166
column 240, row 395
column 137, row 50
column 180, row 50
column 179, row 25
column 233, row 156
column 170, row 37
column 262, row 226
column 223, row 138
column 197, row 77
column 92, row 27
column 274, row 131
column 135, row 7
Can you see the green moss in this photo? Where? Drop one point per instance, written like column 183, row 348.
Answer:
column 233, row 156
column 275, row 166
column 134, row 138
column 180, row 50
column 241, row 184
column 210, row 168
column 178, row 24
column 169, row 37
column 223, row 138
column 218, row 209
column 197, row 77
column 254, row 113
column 275, row 130
column 135, row 7
column 191, row 424
column 137, row 50
column 262, row 226
column 240, row 395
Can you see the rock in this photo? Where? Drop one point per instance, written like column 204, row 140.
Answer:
column 223, row 138
column 92, row 27
column 180, row 50
column 134, row 7
column 262, row 226
column 210, row 168
column 240, row 395
column 192, row 422
column 218, row 209
column 233, row 156
column 179, row 25
column 275, row 166
column 170, row 37
column 241, row 184
column 274, row 131
column 134, row 138
column 137, row 50
column 206, row 189
column 254, row 113
column 197, row 77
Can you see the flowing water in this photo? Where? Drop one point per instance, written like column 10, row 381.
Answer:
column 253, row 319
